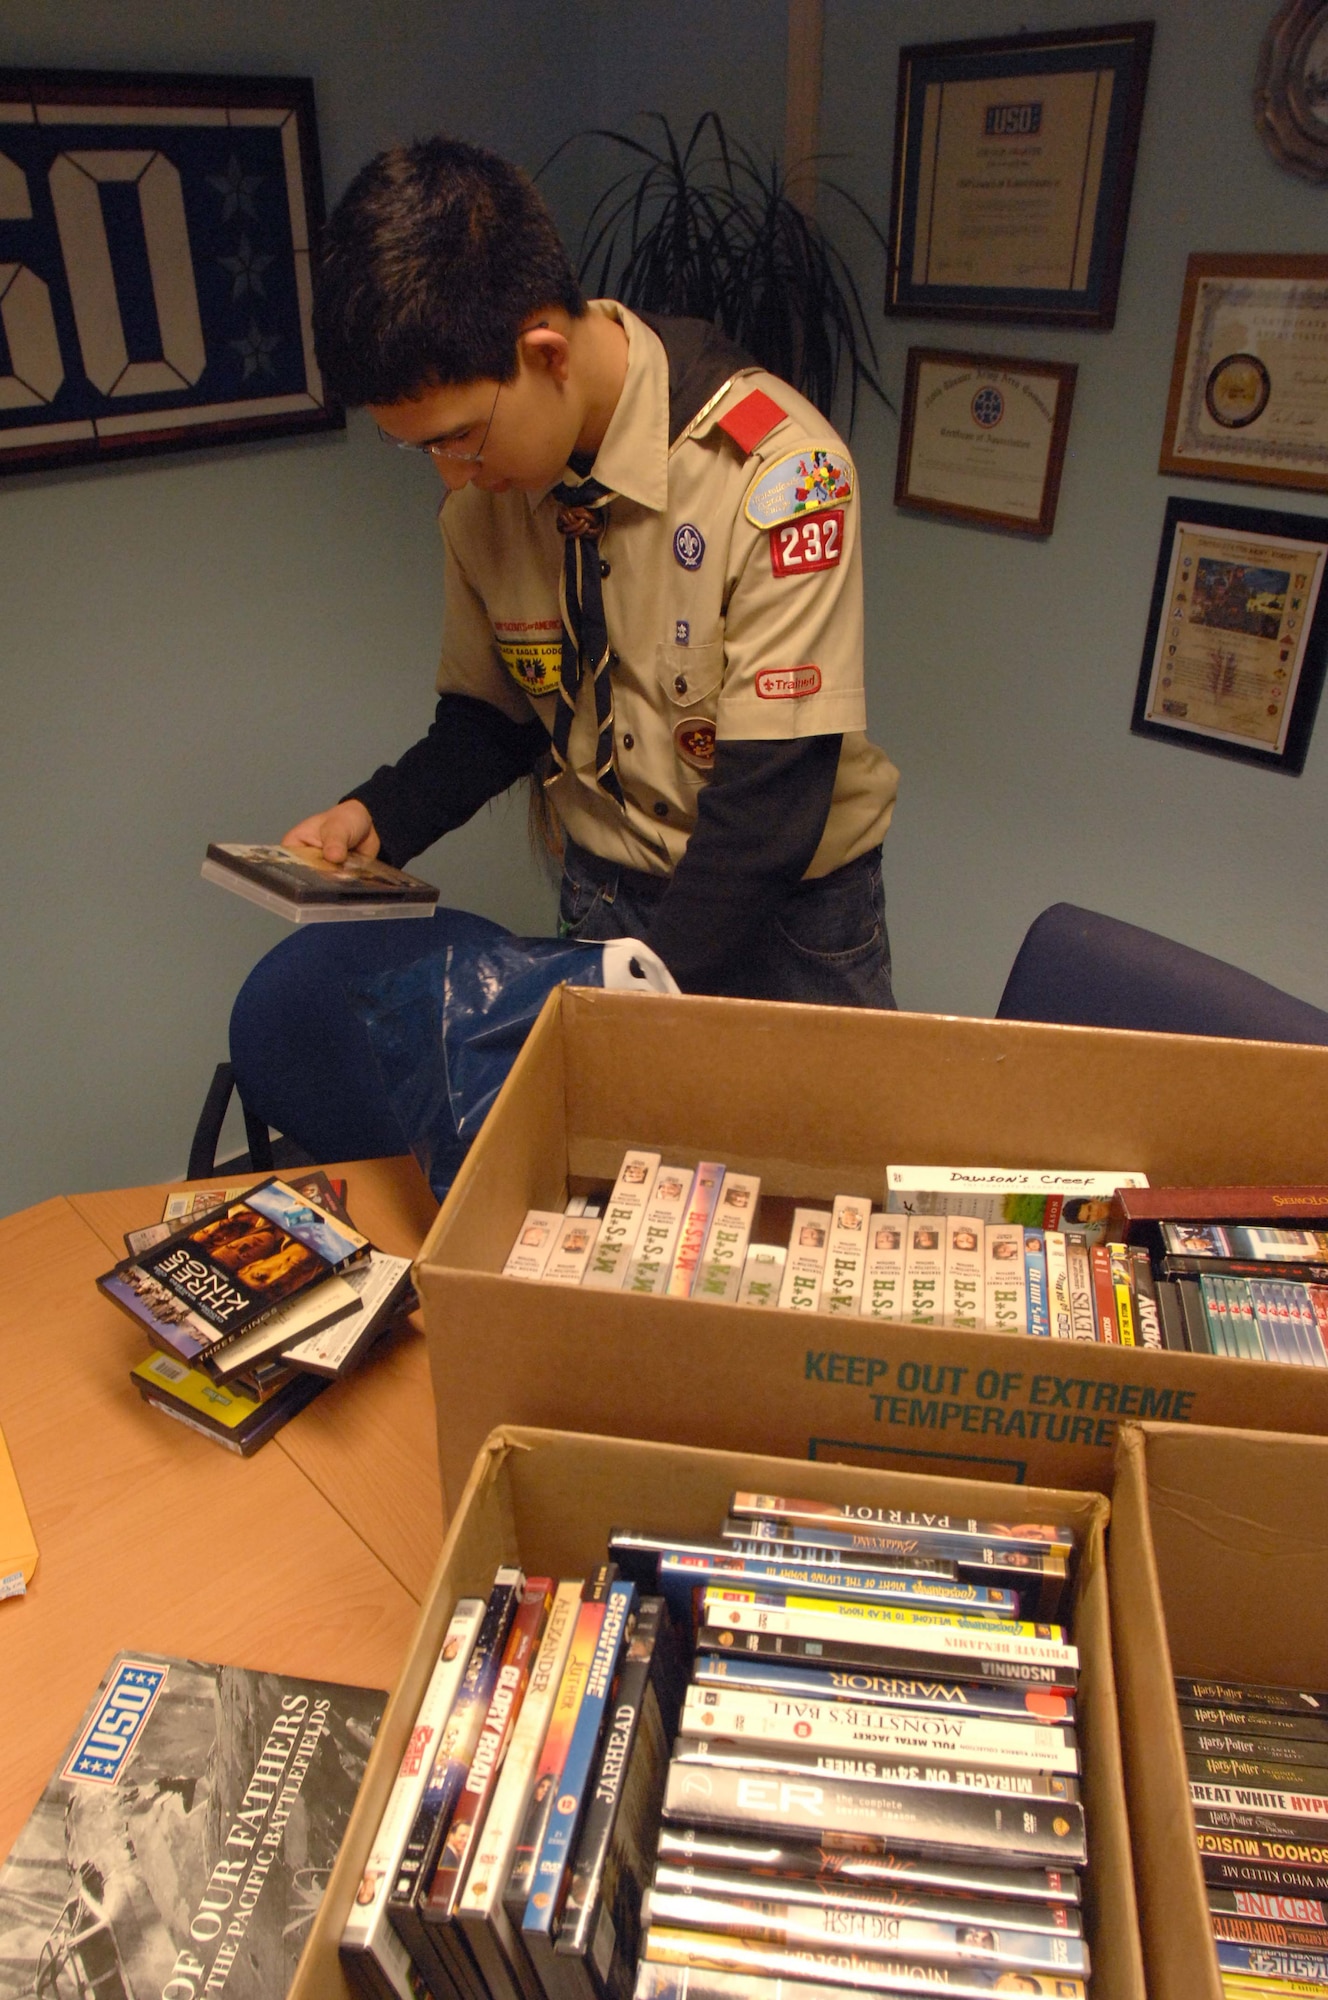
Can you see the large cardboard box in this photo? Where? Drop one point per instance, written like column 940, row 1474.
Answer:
column 549, row 1499
column 1218, row 1566
column 818, row 1101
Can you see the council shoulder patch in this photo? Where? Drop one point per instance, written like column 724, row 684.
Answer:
column 800, row 483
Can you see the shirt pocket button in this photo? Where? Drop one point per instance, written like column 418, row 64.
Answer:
column 680, row 684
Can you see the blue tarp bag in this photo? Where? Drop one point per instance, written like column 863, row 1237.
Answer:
column 446, row 1029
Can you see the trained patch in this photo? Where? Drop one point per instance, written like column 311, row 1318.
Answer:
column 689, row 545
column 802, row 483
column 816, row 542
column 694, row 741
column 534, row 658
column 788, row 683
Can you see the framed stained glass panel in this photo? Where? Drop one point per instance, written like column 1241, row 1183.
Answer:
column 156, row 236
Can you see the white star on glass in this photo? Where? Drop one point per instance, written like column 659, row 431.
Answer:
column 236, row 188
column 246, row 268
column 255, row 349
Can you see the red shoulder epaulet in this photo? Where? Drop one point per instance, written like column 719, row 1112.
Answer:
column 751, row 420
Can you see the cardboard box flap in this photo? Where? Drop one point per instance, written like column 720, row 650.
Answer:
column 1171, row 1896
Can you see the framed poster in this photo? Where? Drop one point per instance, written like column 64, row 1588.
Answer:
column 982, row 438
column 155, row 243
column 1014, row 162
column 1237, row 633
column 1249, row 383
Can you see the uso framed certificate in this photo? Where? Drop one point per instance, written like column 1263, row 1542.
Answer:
column 1237, row 633
column 1014, row 164
column 155, row 242
column 982, row 438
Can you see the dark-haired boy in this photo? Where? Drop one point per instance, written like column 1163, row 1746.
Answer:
column 652, row 591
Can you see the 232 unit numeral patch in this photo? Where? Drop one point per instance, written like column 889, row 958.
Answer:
column 815, row 542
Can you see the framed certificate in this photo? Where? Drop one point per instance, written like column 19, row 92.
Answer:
column 1237, row 633
column 1249, row 384
column 155, row 243
column 1014, row 161
column 982, row 438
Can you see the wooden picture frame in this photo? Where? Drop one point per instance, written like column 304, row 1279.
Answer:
column 1013, row 169
column 1250, row 346
column 1237, row 636
column 156, row 238
column 982, row 438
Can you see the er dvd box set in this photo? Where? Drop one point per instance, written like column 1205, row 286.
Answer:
column 712, row 1768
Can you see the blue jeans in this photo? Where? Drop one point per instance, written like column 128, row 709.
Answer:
column 828, row 945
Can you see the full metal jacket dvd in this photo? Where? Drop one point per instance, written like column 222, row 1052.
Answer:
column 882, row 1731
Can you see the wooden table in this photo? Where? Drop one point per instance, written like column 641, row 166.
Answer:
column 308, row 1558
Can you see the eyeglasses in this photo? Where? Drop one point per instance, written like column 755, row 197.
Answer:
column 447, row 451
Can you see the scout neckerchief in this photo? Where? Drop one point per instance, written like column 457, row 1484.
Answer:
column 582, row 519
column 701, row 362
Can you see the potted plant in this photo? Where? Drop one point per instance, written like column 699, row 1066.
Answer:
column 704, row 229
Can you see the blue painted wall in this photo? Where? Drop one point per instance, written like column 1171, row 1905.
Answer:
column 208, row 646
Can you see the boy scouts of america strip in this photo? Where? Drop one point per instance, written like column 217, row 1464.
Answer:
column 800, row 483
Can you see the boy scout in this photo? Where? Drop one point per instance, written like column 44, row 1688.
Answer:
column 653, row 594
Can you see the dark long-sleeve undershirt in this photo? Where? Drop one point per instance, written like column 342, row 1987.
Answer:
column 471, row 753
column 759, row 822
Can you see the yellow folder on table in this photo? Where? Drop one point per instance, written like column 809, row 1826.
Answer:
column 18, row 1548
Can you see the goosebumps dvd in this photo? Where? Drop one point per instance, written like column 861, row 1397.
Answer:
column 186, row 1838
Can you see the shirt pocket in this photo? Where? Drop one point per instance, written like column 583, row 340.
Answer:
column 691, row 676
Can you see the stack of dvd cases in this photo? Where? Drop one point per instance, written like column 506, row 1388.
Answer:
column 876, row 1783
column 516, row 1847
column 1258, row 1764
column 869, row 1783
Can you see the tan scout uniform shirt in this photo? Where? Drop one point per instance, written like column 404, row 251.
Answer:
column 721, row 628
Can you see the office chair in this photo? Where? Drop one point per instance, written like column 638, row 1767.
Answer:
column 1082, row 969
column 301, row 1062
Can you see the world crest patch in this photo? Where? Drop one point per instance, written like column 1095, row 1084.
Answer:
column 800, row 483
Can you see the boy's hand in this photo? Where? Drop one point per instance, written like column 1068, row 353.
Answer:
column 344, row 829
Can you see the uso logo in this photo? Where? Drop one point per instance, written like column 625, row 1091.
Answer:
column 108, row 1742
column 1012, row 121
